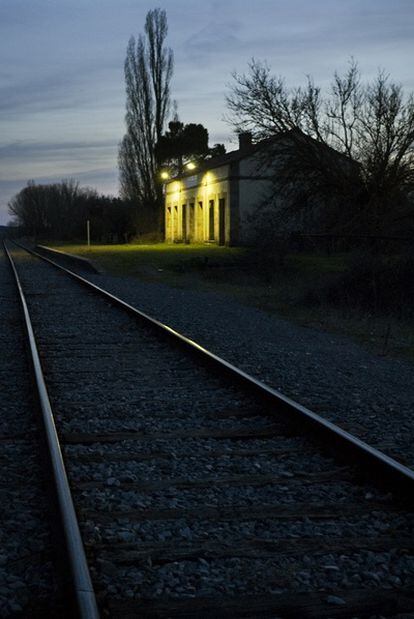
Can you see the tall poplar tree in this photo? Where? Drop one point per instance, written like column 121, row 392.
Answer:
column 148, row 71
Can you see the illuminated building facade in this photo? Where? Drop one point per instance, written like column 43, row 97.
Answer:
column 212, row 204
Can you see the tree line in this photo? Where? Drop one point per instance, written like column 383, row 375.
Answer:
column 61, row 210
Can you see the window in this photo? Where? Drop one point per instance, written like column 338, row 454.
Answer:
column 184, row 223
column 222, row 221
column 191, row 222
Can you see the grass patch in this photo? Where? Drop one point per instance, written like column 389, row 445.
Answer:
column 154, row 259
column 230, row 271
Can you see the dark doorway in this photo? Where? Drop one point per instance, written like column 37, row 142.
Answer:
column 191, row 223
column 222, row 221
column 184, row 223
column 175, row 223
column 200, row 222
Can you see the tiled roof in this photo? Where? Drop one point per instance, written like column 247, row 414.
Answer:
column 231, row 157
column 236, row 155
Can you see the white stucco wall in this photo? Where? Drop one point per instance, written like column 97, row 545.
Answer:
column 253, row 190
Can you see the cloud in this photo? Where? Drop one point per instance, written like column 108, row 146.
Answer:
column 62, row 89
column 216, row 37
column 23, row 160
column 28, row 150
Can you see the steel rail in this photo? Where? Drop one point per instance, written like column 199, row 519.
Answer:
column 86, row 606
column 378, row 468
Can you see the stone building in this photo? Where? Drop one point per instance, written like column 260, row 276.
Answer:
column 212, row 204
column 217, row 203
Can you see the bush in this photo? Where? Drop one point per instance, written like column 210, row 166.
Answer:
column 147, row 238
column 373, row 282
column 269, row 247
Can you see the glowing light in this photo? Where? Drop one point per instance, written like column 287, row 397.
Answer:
column 207, row 178
column 191, row 166
column 164, row 175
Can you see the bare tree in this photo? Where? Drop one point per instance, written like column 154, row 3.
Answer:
column 48, row 209
column 27, row 210
column 371, row 126
column 59, row 211
column 386, row 153
column 148, row 72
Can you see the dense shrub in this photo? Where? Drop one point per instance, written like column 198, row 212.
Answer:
column 269, row 246
column 380, row 284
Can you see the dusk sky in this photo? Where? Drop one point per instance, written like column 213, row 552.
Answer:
column 61, row 74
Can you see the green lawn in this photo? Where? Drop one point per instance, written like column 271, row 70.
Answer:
column 232, row 272
column 146, row 259
column 204, row 260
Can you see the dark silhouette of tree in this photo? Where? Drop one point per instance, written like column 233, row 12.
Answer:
column 217, row 150
column 59, row 212
column 148, row 72
column 41, row 209
column 183, row 144
column 371, row 125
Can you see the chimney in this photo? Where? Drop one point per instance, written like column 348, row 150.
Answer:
column 245, row 141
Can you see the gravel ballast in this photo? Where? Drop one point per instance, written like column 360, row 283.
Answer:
column 368, row 395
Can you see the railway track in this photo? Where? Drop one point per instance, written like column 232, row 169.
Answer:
column 28, row 584
column 202, row 493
